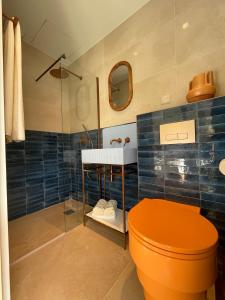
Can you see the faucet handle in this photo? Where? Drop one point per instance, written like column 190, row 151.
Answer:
column 126, row 140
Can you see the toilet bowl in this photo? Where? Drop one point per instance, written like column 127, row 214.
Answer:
column 173, row 248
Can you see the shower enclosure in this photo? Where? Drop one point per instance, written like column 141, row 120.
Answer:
column 80, row 118
column 44, row 172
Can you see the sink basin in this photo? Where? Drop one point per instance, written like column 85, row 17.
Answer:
column 110, row 156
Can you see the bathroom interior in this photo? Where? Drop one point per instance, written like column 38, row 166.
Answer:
column 112, row 150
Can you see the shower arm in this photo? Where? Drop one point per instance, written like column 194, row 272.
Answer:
column 80, row 77
column 52, row 65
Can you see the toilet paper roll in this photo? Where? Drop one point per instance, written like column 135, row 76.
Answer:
column 222, row 166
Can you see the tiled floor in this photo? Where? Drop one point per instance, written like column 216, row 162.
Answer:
column 32, row 231
column 87, row 263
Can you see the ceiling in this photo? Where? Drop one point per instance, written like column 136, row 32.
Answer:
column 69, row 26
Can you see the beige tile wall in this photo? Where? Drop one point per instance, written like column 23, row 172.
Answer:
column 164, row 56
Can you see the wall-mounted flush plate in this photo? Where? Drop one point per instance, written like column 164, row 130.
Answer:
column 178, row 133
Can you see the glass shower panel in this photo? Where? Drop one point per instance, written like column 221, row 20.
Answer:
column 80, row 108
column 35, row 198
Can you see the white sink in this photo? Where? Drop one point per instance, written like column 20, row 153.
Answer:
column 110, row 156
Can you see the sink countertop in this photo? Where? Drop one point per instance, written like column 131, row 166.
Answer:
column 111, row 156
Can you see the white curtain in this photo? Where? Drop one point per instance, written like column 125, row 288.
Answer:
column 13, row 94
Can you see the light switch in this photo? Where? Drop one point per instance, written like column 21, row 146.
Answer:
column 165, row 99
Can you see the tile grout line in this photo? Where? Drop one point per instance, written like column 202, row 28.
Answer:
column 118, row 279
column 37, row 249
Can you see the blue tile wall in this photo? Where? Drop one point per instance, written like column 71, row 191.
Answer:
column 37, row 174
column 187, row 173
column 46, row 170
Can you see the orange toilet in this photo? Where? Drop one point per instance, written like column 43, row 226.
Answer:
column 173, row 248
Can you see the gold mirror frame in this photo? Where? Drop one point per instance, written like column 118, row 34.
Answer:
column 130, row 85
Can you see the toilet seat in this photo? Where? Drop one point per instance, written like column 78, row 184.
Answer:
column 172, row 229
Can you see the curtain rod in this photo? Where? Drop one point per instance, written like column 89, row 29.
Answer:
column 14, row 20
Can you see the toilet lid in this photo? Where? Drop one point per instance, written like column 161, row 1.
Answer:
column 172, row 227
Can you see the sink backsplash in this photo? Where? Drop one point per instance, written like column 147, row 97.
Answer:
column 121, row 131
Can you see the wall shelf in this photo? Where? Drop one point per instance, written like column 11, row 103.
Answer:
column 116, row 223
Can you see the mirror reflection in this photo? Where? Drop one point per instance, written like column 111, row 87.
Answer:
column 120, row 86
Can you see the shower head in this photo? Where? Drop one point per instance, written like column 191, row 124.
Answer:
column 63, row 73
column 59, row 73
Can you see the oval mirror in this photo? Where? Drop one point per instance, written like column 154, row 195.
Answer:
column 120, row 86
